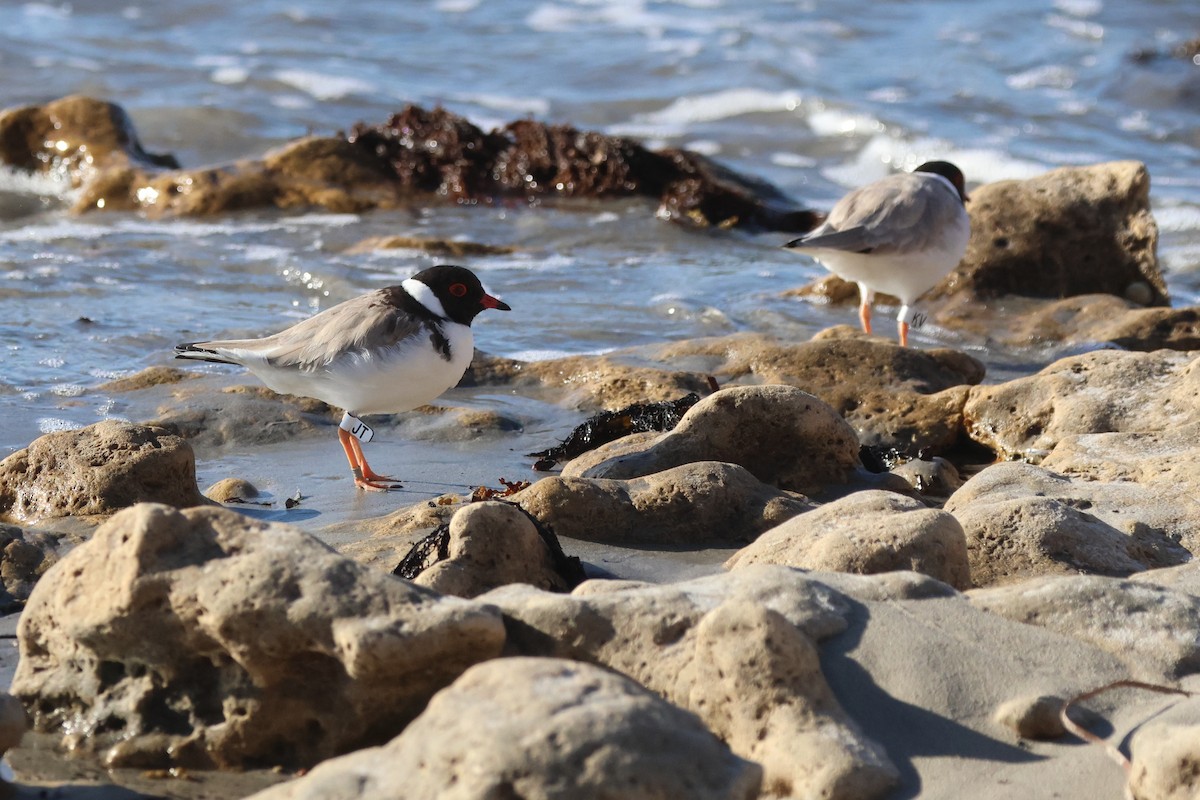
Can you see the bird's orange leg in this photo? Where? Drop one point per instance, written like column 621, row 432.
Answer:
column 864, row 307
column 364, row 476
column 903, row 333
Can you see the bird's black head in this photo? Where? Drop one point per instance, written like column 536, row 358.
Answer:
column 459, row 291
column 949, row 172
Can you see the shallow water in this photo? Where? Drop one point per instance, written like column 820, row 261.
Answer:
column 814, row 97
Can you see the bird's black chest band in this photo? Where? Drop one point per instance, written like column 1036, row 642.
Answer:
column 356, row 428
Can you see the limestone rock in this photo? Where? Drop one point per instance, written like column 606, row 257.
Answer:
column 1164, row 757
column 205, row 638
column 866, row 532
column 25, row 555
column 378, row 167
column 1111, row 614
column 584, row 382
column 97, row 471
column 491, row 544
column 76, row 135
column 935, row 477
column 231, row 490
column 782, row 435
column 248, row 415
column 1099, row 392
column 151, row 376
column 1022, row 520
column 736, row 649
column 1073, row 230
column 892, row 396
column 706, row 502
column 539, row 727
column 1033, row 717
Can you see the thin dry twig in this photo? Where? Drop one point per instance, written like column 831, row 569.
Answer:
column 1083, row 733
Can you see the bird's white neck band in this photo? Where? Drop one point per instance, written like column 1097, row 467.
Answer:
column 425, row 296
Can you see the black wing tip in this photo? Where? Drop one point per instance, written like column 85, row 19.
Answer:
column 192, row 351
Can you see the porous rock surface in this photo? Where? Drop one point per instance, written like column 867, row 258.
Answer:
column 555, row 729
column 1022, row 520
column 1100, row 392
column 204, row 638
column 739, row 650
column 25, row 555
column 97, row 471
column 384, row 166
column 866, row 532
column 700, row 503
column 1109, row 613
column 491, row 544
column 782, row 435
column 1069, row 231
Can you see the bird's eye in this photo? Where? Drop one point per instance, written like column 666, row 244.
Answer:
column 458, row 289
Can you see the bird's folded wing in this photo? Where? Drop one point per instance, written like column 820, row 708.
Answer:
column 364, row 324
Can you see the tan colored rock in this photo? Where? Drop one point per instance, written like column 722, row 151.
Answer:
column 1073, row 230
column 97, row 471
column 892, row 396
column 1033, row 717
column 783, row 436
column 455, row 248
column 25, row 555
column 738, row 650
column 584, row 382
column 866, row 532
column 491, row 544
column 231, row 490
column 383, row 541
column 1099, row 392
column 706, row 502
column 248, row 415
column 205, row 638
column 1112, row 614
column 1164, row 757
column 935, row 477
column 1022, row 520
column 77, row 136
column 544, row 728
column 151, row 376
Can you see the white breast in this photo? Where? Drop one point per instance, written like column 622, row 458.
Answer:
column 383, row 381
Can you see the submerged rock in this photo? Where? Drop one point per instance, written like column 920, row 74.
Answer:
column 539, row 727
column 96, row 471
column 204, row 638
column 417, row 155
column 25, row 555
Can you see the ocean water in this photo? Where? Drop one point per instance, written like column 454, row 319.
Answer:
column 815, row 97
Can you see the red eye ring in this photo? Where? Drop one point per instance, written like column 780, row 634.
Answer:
column 458, row 289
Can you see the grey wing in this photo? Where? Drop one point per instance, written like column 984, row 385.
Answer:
column 347, row 329
column 895, row 215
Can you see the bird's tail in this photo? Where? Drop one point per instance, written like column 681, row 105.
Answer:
column 198, row 351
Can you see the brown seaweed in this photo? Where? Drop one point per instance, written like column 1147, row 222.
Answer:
column 608, row 426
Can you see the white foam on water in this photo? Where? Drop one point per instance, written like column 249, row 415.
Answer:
column 1177, row 218
column 230, row 76
column 511, row 104
column 67, row 389
column 264, row 252
column 705, row 147
column 1080, row 8
column 321, row 85
column 55, row 424
column 61, row 11
column 456, row 6
column 724, row 104
column 840, row 122
column 885, row 154
column 41, row 184
column 1076, row 27
column 793, row 160
column 1051, row 76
